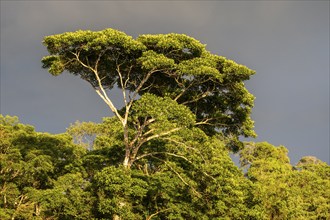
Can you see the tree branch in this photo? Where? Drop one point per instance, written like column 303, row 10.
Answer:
column 101, row 93
column 203, row 95
column 184, row 90
column 180, row 177
column 143, row 140
column 140, row 129
column 186, row 146
column 162, row 134
column 155, row 153
column 156, row 213
column 136, row 91
column 121, row 83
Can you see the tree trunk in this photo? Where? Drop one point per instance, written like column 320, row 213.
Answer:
column 37, row 209
column 116, row 217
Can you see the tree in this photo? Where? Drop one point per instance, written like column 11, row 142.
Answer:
column 30, row 160
column 83, row 133
column 193, row 86
column 312, row 183
column 281, row 191
column 269, row 170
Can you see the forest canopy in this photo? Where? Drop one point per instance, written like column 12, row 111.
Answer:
column 79, row 175
column 165, row 153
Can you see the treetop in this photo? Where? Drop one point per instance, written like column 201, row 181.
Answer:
column 166, row 65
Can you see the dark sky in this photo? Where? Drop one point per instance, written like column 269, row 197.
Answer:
column 285, row 42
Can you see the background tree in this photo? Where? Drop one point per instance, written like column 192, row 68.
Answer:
column 30, row 160
column 281, row 191
column 83, row 133
column 312, row 183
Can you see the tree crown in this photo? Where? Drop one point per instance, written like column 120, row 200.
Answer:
column 167, row 65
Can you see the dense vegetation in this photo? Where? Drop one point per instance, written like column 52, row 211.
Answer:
column 165, row 152
column 78, row 175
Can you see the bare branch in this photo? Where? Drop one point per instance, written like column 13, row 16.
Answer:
column 203, row 95
column 143, row 140
column 148, row 132
column 162, row 134
column 148, row 87
column 101, row 93
column 122, row 84
column 110, row 104
column 128, row 75
column 199, row 81
column 207, row 122
column 145, row 79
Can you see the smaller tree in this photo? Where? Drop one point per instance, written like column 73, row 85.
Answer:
column 281, row 191
column 30, row 160
column 84, row 133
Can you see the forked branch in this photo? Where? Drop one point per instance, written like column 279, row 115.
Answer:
column 101, row 91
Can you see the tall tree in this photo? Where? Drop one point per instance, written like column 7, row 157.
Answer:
column 177, row 70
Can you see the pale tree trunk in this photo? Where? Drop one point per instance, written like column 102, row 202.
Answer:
column 116, row 217
column 37, row 209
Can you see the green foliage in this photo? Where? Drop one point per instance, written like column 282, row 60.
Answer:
column 281, row 191
column 165, row 111
column 167, row 65
column 151, row 60
column 182, row 175
column 69, row 198
column 112, row 44
column 200, row 66
column 120, row 192
column 30, row 159
column 254, row 152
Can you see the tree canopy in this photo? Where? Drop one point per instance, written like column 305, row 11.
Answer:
column 187, row 175
column 172, row 66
